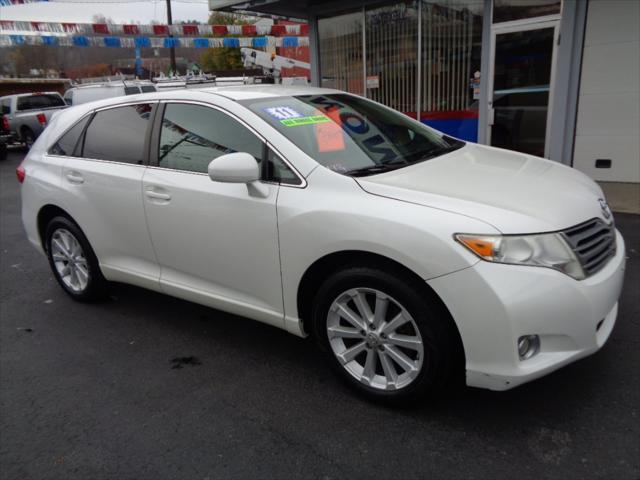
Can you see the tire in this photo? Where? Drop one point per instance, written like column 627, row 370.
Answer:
column 436, row 361
column 28, row 137
column 69, row 251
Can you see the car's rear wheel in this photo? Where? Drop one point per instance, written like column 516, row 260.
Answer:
column 73, row 261
column 28, row 137
column 383, row 335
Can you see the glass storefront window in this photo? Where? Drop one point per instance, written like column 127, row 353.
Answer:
column 444, row 94
column 392, row 55
column 450, row 80
column 509, row 10
column 341, row 52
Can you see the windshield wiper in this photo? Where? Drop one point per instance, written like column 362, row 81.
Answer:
column 373, row 169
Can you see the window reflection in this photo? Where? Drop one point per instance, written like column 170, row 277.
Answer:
column 118, row 134
column 509, row 10
column 193, row 135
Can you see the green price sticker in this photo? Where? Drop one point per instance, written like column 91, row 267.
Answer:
column 312, row 120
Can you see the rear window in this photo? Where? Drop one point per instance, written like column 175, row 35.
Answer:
column 40, row 101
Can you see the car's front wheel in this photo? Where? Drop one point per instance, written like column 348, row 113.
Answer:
column 73, row 261
column 383, row 335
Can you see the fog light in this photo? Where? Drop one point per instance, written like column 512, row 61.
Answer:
column 528, row 346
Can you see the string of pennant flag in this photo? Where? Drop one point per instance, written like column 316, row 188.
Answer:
column 6, row 3
column 7, row 40
column 192, row 30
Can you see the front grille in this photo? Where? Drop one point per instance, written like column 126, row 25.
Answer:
column 593, row 242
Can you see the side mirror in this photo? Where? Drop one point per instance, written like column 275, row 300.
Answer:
column 239, row 167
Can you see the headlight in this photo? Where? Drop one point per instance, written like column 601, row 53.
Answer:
column 545, row 250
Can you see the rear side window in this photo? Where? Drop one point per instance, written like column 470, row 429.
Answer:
column 193, row 135
column 118, row 134
column 148, row 88
column 67, row 144
column 44, row 100
column 131, row 90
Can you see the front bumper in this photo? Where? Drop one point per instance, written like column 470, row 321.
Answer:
column 493, row 305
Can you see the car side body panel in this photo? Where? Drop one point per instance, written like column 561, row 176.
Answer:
column 327, row 217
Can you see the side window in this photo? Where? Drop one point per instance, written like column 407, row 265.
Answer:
column 67, row 144
column 118, row 134
column 278, row 171
column 193, row 135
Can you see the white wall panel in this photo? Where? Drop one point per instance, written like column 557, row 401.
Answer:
column 608, row 123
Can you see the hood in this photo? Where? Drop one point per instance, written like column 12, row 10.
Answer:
column 513, row 192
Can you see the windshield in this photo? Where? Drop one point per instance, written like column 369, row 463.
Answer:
column 352, row 135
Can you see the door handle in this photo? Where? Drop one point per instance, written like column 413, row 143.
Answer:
column 75, row 177
column 157, row 195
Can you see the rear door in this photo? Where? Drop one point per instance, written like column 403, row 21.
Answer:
column 104, row 191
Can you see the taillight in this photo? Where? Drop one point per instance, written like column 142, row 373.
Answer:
column 5, row 123
column 42, row 119
column 20, row 173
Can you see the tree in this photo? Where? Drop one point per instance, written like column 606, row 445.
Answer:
column 224, row 58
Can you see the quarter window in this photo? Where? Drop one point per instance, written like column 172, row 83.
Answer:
column 67, row 144
column 118, row 134
column 277, row 171
column 193, row 135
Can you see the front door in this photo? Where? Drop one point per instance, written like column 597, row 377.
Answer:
column 217, row 243
column 522, row 86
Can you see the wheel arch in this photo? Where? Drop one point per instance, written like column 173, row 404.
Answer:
column 24, row 129
column 45, row 215
column 330, row 263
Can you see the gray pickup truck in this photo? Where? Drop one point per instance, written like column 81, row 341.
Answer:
column 27, row 114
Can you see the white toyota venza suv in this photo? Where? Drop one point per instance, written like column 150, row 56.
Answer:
column 414, row 259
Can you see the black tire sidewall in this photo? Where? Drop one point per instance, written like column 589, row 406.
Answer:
column 435, row 336
column 96, row 286
column 28, row 134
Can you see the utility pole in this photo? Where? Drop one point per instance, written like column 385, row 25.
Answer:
column 172, row 52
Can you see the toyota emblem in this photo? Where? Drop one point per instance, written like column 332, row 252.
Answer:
column 604, row 206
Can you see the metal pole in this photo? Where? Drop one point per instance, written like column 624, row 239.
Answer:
column 172, row 49
column 419, row 64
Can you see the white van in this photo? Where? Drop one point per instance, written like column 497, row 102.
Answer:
column 99, row 91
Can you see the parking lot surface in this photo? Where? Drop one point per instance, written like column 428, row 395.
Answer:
column 145, row 386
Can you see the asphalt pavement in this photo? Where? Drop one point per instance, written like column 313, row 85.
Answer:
column 145, row 386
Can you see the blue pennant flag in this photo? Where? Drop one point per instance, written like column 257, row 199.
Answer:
column 80, row 41
column 112, row 42
column 290, row 41
column 231, row 42
column 142, row 42
column 259, row 42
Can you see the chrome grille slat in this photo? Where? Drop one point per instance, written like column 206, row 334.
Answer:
column 593, row 243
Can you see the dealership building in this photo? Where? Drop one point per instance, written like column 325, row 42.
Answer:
column 554, row 78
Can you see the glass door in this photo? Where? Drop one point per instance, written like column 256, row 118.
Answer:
column 523, row 64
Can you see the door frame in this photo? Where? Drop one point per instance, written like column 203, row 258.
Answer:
column 529, row 24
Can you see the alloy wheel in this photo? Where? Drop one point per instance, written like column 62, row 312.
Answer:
column 375, row 339
column 69, row 260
